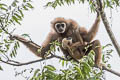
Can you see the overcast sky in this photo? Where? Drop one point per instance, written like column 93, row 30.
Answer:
column 36, row 23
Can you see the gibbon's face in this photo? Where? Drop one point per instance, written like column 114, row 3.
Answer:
column 60, row 27
column 69, row 40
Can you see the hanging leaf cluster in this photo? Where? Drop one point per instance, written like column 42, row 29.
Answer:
column 106, row 3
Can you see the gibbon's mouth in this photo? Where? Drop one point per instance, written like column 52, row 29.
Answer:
column 61, row 31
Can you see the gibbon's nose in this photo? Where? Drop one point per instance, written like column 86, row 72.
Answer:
column 60, row 29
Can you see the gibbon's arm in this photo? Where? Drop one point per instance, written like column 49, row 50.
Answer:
column 52, row 36
column 88, row 37
column 29, row 44
column 34, row 47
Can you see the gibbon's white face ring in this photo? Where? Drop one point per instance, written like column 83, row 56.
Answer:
column 60, row 27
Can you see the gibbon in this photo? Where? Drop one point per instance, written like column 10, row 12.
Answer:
column 74, row 49
column 63, row 28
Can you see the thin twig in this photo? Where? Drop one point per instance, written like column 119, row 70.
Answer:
column 16, row 63
column 2, row 27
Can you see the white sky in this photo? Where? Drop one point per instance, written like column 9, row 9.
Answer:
column 37, row 23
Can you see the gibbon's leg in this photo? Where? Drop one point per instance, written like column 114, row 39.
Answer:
column 96, row 47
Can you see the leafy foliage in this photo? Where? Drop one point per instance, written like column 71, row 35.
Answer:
column 14, row 50
column 10, row 14
column 106, row 3
column 82, row 71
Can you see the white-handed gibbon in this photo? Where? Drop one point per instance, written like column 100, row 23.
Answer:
column 63, row 28
column 74, row 49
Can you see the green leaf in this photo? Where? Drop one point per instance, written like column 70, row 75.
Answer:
column 109, row 66
column 87, row 66
column 50, row 67
column 1, row 68
column 1, row 43
column 82, row 1
column 79, row 71
column 58, row 2
column 1, row 31
column 30, row 6
column 16, row 20
column 13, row 53
column 3, row 7
column 103, row 58
column 63, row 63
column 5, row 41
column 48, row 4
column 117, row 2
column 54, row 5
column 7, row 46
column 36, row 71
column 62, row 2
column 18, row 16
column 25, row 8
column 24, row 0
column 108, row 4
column 18, row 45
column 21, row 13
column 73, row 1
column 14, row 4
column 1, row 51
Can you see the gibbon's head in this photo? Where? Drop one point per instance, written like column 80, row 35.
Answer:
column 61, row 25
column 66, row 42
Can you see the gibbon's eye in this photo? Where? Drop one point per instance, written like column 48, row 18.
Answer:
column 69, row 38
column 63, row 25
column 58, row 25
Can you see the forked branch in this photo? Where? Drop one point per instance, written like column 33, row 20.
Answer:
column 107, row 26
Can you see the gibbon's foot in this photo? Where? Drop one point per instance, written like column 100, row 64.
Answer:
column 100, row 65
column 20, row 38
column 69, row 58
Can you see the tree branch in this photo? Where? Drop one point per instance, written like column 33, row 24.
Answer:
column 112, row 71
column 16, row 63
column 107, row 26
